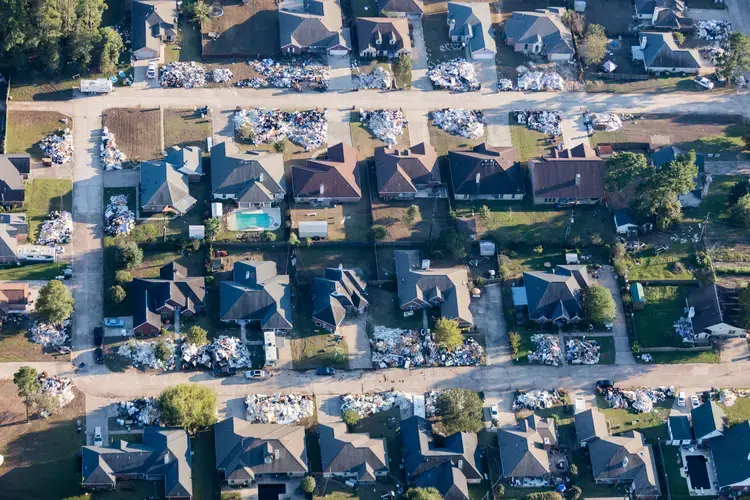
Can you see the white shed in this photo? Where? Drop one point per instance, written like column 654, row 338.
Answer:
column 197, row 232
column 486, row 248
column 313, row 229
column 217, row 210
column 269, row 347
column 98, row 86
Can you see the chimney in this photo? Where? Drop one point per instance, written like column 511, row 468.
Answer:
column 643, row 42
column 460, row 463
column 322, row 188
column 547, row 444
column 625, row 462
column 476, row 179
column 276, row 454
column 578, row 179
column 166, row 458
column 247, row 275
column 260, row 177
column 425, row 264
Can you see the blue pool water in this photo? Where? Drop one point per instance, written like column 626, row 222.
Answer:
column 249, row 220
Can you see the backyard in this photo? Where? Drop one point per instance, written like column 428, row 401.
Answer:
column 392, row 215
column 674, row 264
column 250, row 29
column 312, row 261
column 44, row 196
column 138, row 132
column 27, row 128
column 185, row 127
column 654, row 324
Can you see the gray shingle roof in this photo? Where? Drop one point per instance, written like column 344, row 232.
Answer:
column 257, row 293
column 497, row 168
column 254, row 177
column 541, row 24
column 552, row 296
column 590, row 424
column 730, row 454
column 661, row 51
column 320, row 25
column 186, row 160
column 626, row 458
column 679, row 428
column 12, row 169
column 148, row 18
column 447, row 479
column 163, row 185
column 707, row 418
column 338, row 289
column 473, row 20
column 385, row 29
column 705, row 302
column 522, row 452
column 341, row 451
column 149, row 295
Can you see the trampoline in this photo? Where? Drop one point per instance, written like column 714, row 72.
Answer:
column 698, row 472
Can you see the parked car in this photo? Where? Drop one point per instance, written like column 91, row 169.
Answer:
column 97, row 436
column 326, row 370
column 224, row 371
column 694, row 401
column 257, row 374
column 604, row 384
column 99, row 355
column 681, row 399
column 113, row 322
column 98, row 336
column 704, row 82
column 151, row 72
column 494, row 413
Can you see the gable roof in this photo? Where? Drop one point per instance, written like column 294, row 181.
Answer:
column 447, row 479
column 319, row 25
column 541, row 25
column 522, row 452
column 340, row 288
column 341, row 451
column 186, row 160
column 401, row 171
column 252, row 177
column 385, row 29
column 475, row 21
column 173, row 284
column 590, row 424
column 730, row 453
column 705, row 302
column 496, row 168
column 552, row 296
column 679, row 428
column 571, row 173
column 707, row 418
column 163, row 185
column 12, row 170
column 579, row 271
column 148, row 17
column 338, row 174
column 647, row 7
column 257, row 293
column 405, row 6
column 661, row 51
column 625, row 457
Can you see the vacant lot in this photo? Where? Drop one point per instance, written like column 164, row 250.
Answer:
column 311, row 262
column 664, row 306
column 43, row 271
column 16, row 345
column 44, row 196
column 366, row 142
column 185, row 127
column 244, row 30
column 391, row 214
column 674, row 264
column 27, row 128
column 137, row 131
column 530, row 143
column 444, row 141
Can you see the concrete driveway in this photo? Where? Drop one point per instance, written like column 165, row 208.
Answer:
column 341, row 73
column 623, row 356
column 419, row 80
column 490, row 320
column 354, row 332
column 338, row 126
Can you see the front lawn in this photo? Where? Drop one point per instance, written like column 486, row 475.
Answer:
column 652, row 424
column 444, row 141
column 530, row 143
column 606, row 348
column 43, row 271
column 313, row 347
column 185, row 127
column 27, row 128
column 654, row 324
column 682, row 357
column 44, row 196
column 366, row 142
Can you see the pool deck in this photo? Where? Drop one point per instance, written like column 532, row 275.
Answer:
column 273, row 212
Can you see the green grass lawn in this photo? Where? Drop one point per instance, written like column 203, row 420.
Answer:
column 737, row 413
column 444, row 141
column 184, row 127
column 43, row 88
column 652, row 85
column 664, row 306
column 205, row 477
column 312, row 347
column 678, row 487
column 653, row 424
column 530, row 143
column 16, row 345
column 606, row 349
column 43, row 271
column 42, row 197
column 386, row 310
column 674, row 264
column 27, row 128
column 681, row 358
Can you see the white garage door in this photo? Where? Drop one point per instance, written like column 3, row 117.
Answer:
column 338, row 52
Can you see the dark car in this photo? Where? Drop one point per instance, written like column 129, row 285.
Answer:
column 224, row 371
column 98, row 336
column 604, row 384
column 99, row 355
column 326, row 370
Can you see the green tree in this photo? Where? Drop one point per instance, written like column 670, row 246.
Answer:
column 163, row 351
column 122, row 276
column 412, row 215
column 268, row 236
column 27, row 384
column 45, row 402
column 429, row 493
column 129, row 255
column 593, row 48
column 735, row 60
column 112, row 47
column 293, row 239
column 338, row 356
column 308, row 242
column 574, row 21
column 514, row 341
column 452, row 242
column 543, row 495
column 116, row 294
column 378, row 232
column 350, row 417
column 574, row 492
column 599, row 305
column 625, row 168
column 573, row 470
column 308, row 485
column 201, row 12
column 658, row 197
column 213, row 226
column 190, row 406
column 281, row 145
column 739, row 189
column 196, row 335
column 539, row 249
column 744, row 300
column 484, row 211
column 499, row 489
column 448, row 334
column 679, row 38
column 54, row 303
column 461, row 410
column 402, row 68
column 740, row 212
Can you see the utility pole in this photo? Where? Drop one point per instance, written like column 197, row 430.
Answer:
column 705, row 224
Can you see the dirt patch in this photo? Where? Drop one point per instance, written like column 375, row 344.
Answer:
column 244, row 30
column 391, row 215
column 185, row 127
column 137, row 131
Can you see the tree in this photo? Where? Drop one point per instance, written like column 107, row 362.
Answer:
column 514, row 341
column 196, row 335
column 735, row 59
column 593, row 48
column 412, row 215
column 574, row 21
column 116, row 294
column 163, row 351
column 280, row 146
column 461, row 410
column 740, row 212
column 744, row 300
column 201, row 12
column 293, row 239
column 191, row 406
column 658, row 197
column 738, row 190
column 484, row 211
column 574, row 492
column 452, row 242
column 46, row 403
column 308, row 485
column 539, row 249
column 308, row 242
column 268, row 236
column 430, row 493
column 112, row 47
column 54, row 303
column 129, row 255
column 350, row 417
column 213, row 226
column 402, row 68
column 499, row 490
column 27, row 383
column 679, row 37
column 378, row 232
column 599, row 305
column 573, row 470
column 122, row 276
column 625, row 168
column 448, row 334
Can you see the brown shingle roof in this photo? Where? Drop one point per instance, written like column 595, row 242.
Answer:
column 400, row 171
column 496, row 168
column 337, row 174
column 370, row 29
column 570, row 173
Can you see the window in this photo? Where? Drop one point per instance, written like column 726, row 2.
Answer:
column 525, row 46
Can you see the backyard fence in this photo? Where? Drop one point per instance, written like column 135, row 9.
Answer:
column 665, row 282
column 4, row 115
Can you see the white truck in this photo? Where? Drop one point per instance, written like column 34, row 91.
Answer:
column 98, row 86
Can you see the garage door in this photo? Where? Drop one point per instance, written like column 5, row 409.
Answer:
column 338, row 52
column 484, row 55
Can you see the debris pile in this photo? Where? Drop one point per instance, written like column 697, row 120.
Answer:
column 144, row 354
column 223, row 351
column 505, row 85
column 252, row 83
column 646, row 357
column 546, row 122
column 278, row 409
column 48, row 334
column 371, row 403
column 308, row 129
column 385, row 124
column 727, row 397
column 469, row 354
column 291, row 75
column 639, row 400
column 58, row 147
column 457, row 75
column 183, row 74
column 61, row 387
column 464, row 122
column 684, row 328
column 394, row 347
column 221, row 75
column 118, row 218
column 378, row 78
column 430, row 403
column 538, row 80
column 608, row 122
column 144, row 411
column 112, row 157
column 715, row 31
column 582, row 352
column 536, row 399
column 547, row 351
column 56, row 229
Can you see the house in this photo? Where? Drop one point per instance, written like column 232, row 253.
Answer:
column 159, row 299
column 411, row 9
column 383, row 37
column 524, row 449
column 667, row 154
column 14, row 169
column 680, row 431
column 660, row 53
column 708, row 421
column 164, row 189
column 339, row 292
column 664, row 14
column 590, row 424
column 471, row 24
column 356, row 456
column 334, row 179
column 252, row 179
column 420, row 286
column 186, row 161
column 625, row 458
column 317, row 29
column 568, row 176
column 730, row 453
column 409, row 173
column 486, row 173
column 13, row 230
column 704, row 311
column 540, row 32
column 165, row 455
column 249, row 453
column 257, row 295
column 624, row 222
column 447, row 463
column 152, row 24
column 553, row 297
column 14, row 298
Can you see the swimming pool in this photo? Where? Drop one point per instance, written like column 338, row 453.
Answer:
column 254, row 219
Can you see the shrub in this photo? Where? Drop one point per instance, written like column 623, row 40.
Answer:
column 539, row 249
column 514, row 341
column 350, row 417
column 268, row 236
column 448, row 334
column 308, row 484
column 378, row 232
column 122, row 276
column 484, row 211
column 116, row 294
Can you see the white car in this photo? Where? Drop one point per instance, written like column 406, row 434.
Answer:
column 151, row 72
column 494, row 413
column 704, row 82
column 97, row 436
column 681, row 398
column 694, row 401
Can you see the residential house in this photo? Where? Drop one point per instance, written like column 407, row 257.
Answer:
column 356, row 456
column 186, row 161
column 420, row 286
column 664, row 14
column 334, row 179
column 540, row 32
column 486, row 173
column 152, row 24
column 164, row 189
column 448, row 463
column 383, row 37
column 158, row 299
column 471, row 24
column 165, row 455
column 411, row 9
column 554, row 297
column 706, row 315
column 624, row 222
column 252, row 179
column 572, row 176
column 680, row 431
column 409, row 173
column 257, row 295
column 317, row 29
column 666, row 155
column 524, row 449
column 249, row 453
column 339, row 292
column 13, row 230
column 708, row 421
column 660, row 54
column 14, row 169
column 14, row 298
column 730, row 453
column 590, row 424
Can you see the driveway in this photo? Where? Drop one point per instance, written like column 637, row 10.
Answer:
column 486, row 72
column 341, row 73
column 354, row 332
column 498, row 127
column 623, row 356
column 338, row 125
column 573, row 130
column 419, row 130
column 490, row 320
column 711, row 14
column 734, row 350
column 419, row 80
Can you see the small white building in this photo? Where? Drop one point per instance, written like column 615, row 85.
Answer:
column 313, row 229
column 269, row 347
column 623, row 222
column 197, row 232
column 36, row 253
column 217, row 210
column 486, row 248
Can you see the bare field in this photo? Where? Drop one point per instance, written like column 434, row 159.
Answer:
column 391, row 215
column 244, row 30
column 184, row 127
column 137, row 131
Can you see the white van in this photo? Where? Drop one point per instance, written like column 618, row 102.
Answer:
column 97, row 436
column 151, row 72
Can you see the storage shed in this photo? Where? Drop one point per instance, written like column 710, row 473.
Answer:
column 313, row 229
column 639, row 298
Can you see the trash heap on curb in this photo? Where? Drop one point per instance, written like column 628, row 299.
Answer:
column 727, row 397
column 145, row 411
column 223, row 351
column 58, row 147
column 536, row 399
column 464, row 122
column 469, row 354
column 715, row 31
column 457, row 75
column 48, row 334
column 546, row 122
column 646, row 357
column 294, row 76
column 430, row 403
column 371, row 403
column 112, row 157
column 252, row 83
column 540, row 80
column 144, row 354
column 394, row 347
column 221, row 75
column 684, row 328
column 378, row 78
column 608, row 122
column 118, row 218
column 183, row 74
column 278, row 409
column 639, row 400
column 61, row 387
column 308, row 129
column 56, row 229
column 505, row 85
column 582, row 352
column 385, row 124
column 547, row 351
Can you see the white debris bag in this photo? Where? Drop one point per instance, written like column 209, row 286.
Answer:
column 385, row 124
column 308, row 129
column 279, row 409
column 464, row 122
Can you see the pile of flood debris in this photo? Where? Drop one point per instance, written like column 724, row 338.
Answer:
column 221, row 75
column 684, row 328
column 714, row 31
column 394, row 347
column 546, row 122
column 505, row 85
column 183, row 74
column 467, row 123
column 279, row 409
column 252, row 83
column 388, row 125
column 539, row 80
column 143, row 354
column 536, row 399
column 582, row 352
column 547, row 349
column 144, row 411
column 378, row 78
column 112, row 157
column 222, row 351
column 58, row 147
column 638, row 400
column 608, row 122
column 457, row 75
column 308, row 129
column 292, row 75
column 370, row 403
column 57, row 229
column 50, row 335
column 60, row 387
column 469, row 354
column 118, row 218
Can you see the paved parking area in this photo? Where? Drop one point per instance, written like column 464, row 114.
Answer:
column 354, row 331
column 490, row 320
column 341, row 73
column 419, row 80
